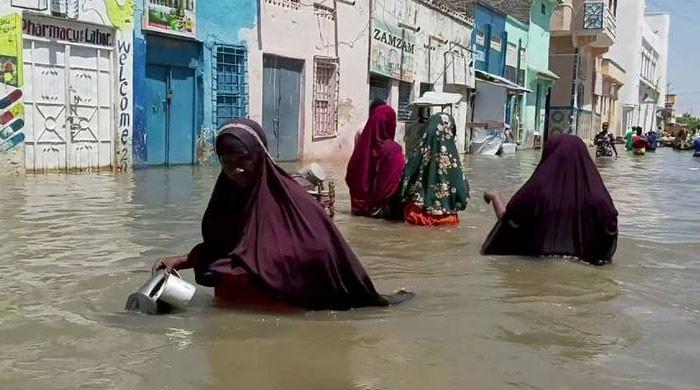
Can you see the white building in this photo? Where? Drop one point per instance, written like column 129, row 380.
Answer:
column 66, row 97
column 308, row 76
column 642, row 51
column 310, row 81
column 436, row 57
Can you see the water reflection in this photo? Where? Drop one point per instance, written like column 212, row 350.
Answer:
column 74, row 246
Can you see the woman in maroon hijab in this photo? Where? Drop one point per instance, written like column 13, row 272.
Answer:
column 376, row 167
column 564, row 209
column 268, row 240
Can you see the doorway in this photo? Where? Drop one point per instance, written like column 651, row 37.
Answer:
column 68, row 105
column 281, row 98
column 169, row 115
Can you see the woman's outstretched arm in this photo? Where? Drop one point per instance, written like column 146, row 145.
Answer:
column 491, row 197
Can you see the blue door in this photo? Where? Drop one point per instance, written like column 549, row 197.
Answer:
column 281, row 95
column 156, row 113
column 169, row 115
column 181, row 131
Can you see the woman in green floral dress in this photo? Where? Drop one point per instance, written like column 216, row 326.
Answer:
column 434, row 186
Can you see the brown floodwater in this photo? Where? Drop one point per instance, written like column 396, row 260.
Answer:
column 72, row 247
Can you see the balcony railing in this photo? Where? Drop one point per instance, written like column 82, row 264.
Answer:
column 597, row 15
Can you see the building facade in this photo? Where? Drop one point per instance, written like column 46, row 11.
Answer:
column 66, row 91
column 444, row 62
column 540, row 79
column 500, row 64
column 191, row 73
column 515, row 71
column 582, row 32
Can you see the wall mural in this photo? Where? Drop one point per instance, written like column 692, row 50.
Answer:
column 11, row 106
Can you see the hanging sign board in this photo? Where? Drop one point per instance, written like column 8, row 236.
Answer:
column 393, row 51
column 177, row 17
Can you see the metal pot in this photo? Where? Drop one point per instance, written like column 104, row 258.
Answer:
column 314, row 174
column 164, row 291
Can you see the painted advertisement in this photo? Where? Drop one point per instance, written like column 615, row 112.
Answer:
column 11, row 106
column 171, row 16
column 393, row 50
column 11, row 49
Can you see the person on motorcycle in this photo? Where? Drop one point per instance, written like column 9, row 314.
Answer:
column 604, row 139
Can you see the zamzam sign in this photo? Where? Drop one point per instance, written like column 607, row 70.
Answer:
column 51, row 30
column 392, row 40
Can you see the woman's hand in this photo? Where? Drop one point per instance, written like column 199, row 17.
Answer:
column 489, row 196
column 492, row 197
column 169, row 263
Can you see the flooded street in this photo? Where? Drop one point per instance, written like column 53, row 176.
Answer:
column 73, row 247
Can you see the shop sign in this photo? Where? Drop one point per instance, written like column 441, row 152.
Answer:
column 56, row 29
column 11, row 50
column 393, row 51
column 171, row 17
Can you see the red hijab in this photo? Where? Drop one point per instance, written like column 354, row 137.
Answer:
column 376, row 166
column 564, row 209
column 280, row 236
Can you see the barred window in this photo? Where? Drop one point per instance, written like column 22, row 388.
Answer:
column 404, row 111
column 326, row 83
column 229, row 84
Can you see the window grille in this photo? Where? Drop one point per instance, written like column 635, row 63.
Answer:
column 326, row 84
column 404, row 111
column 229, row 84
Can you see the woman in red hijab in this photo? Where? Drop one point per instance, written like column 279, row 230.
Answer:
column 376, row 167
column 267, row 241
column 564, row 209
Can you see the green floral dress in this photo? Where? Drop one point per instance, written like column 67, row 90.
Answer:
column 433, row 178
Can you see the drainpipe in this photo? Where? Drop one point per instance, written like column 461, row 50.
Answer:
column 335, row 19
column 369, row 46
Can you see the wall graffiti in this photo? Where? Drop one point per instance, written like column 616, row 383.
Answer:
column 124, row 105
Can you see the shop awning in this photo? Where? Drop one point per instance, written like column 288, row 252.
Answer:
column 545, row 74
column 431, row 98
column 501, row 81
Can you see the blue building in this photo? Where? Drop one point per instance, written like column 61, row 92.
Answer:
column 494, row 91
column 190, row 76
column 489, row 39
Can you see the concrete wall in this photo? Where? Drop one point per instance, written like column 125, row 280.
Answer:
column 562, row 62
column 227, row 23
column 626, row 52
column 301, row 34
column 537, row 60
column 111, row 13
column 660, row 25
column 517, row 33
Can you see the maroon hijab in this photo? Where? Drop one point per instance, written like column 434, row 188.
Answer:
column 376, row 165
column 280, row 236
column 564, row 209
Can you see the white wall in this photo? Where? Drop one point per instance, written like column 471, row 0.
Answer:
column 660, row 24
column 633, row 27
column 301, row 34
column 625, row 51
